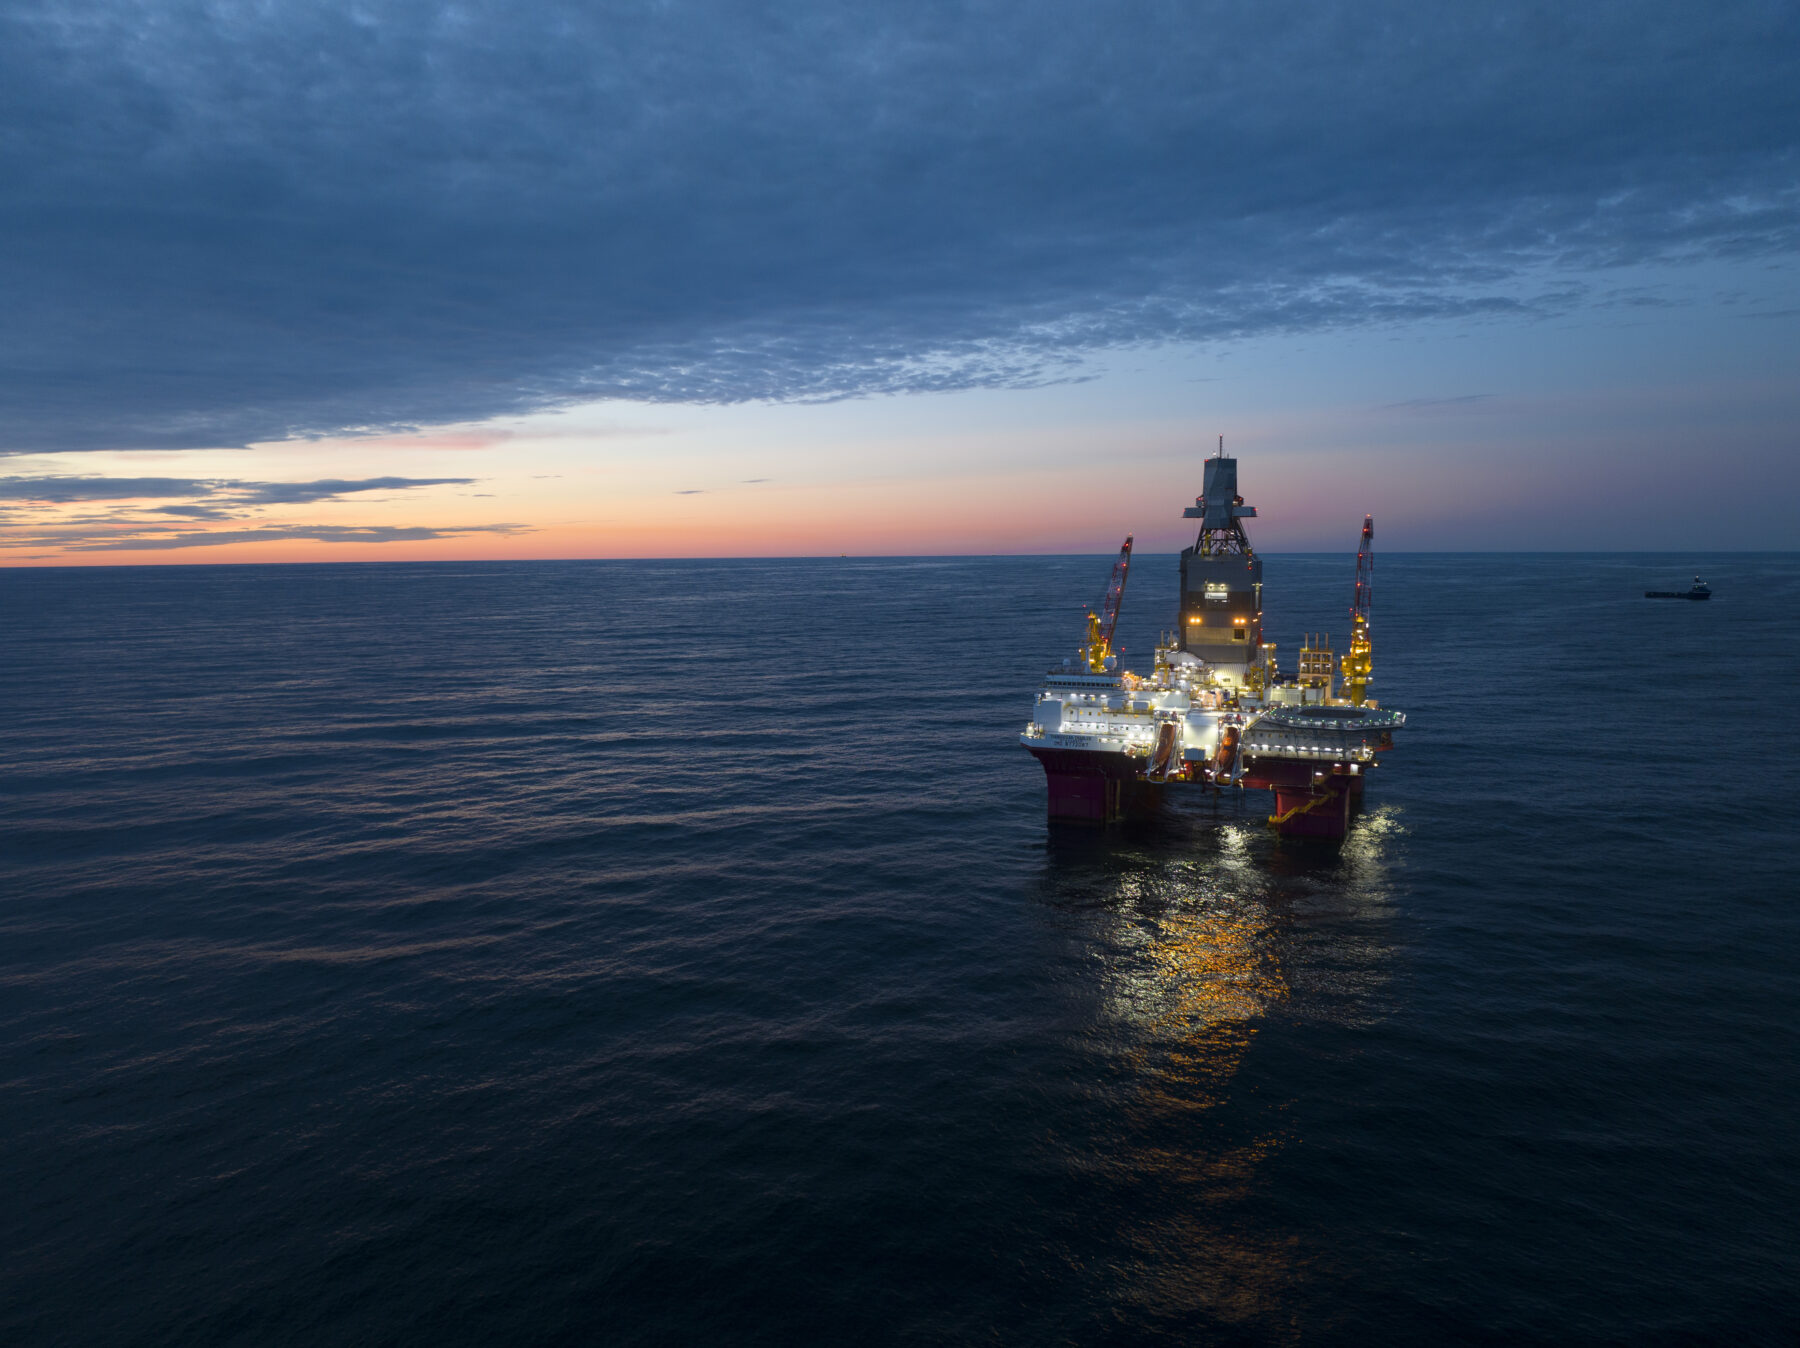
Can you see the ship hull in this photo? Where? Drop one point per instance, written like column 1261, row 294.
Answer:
column 1095, row 788
column 1104, row 788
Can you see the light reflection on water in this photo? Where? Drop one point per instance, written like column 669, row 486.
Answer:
column 1200, row 932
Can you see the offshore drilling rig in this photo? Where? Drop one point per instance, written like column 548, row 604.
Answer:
column 1214, row 712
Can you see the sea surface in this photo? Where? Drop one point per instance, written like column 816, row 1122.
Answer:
column 677, row 953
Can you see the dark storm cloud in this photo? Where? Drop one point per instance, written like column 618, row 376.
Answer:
column 229, row 221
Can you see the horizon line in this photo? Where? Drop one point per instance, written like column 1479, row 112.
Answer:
column 887, row 556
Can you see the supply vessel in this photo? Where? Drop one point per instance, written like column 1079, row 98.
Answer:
column 1698, row 590
column 1216, row 712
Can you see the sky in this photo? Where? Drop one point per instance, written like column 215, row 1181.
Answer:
column 377, row 280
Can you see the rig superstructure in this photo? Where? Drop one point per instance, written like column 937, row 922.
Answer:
column 1215, row 711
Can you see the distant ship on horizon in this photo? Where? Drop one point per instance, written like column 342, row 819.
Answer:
column 1698, row 590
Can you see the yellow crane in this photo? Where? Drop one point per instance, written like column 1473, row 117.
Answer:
column 1359, row 660
column 1098, row 647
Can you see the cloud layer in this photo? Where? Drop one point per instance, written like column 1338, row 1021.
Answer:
column 34, row 514
column 60, row 490
column 228, row 222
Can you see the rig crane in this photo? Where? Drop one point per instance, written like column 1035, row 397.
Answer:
column 1359, row 661
column 1098, row 648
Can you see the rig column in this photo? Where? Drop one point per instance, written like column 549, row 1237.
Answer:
column 1094, row 788
column 1320, row 809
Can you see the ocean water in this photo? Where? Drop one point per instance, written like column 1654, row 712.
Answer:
column 676, row 952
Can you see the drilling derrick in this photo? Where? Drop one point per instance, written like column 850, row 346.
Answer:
column 1359, row 661
column 1098, row 648
column 1221, row 580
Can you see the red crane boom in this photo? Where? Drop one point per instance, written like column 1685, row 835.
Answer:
column 1098, row 648
column 1115, row 594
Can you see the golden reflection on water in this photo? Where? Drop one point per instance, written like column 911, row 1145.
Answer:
column 1198, row 944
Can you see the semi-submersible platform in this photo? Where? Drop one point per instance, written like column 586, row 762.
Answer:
column 1215, row 712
